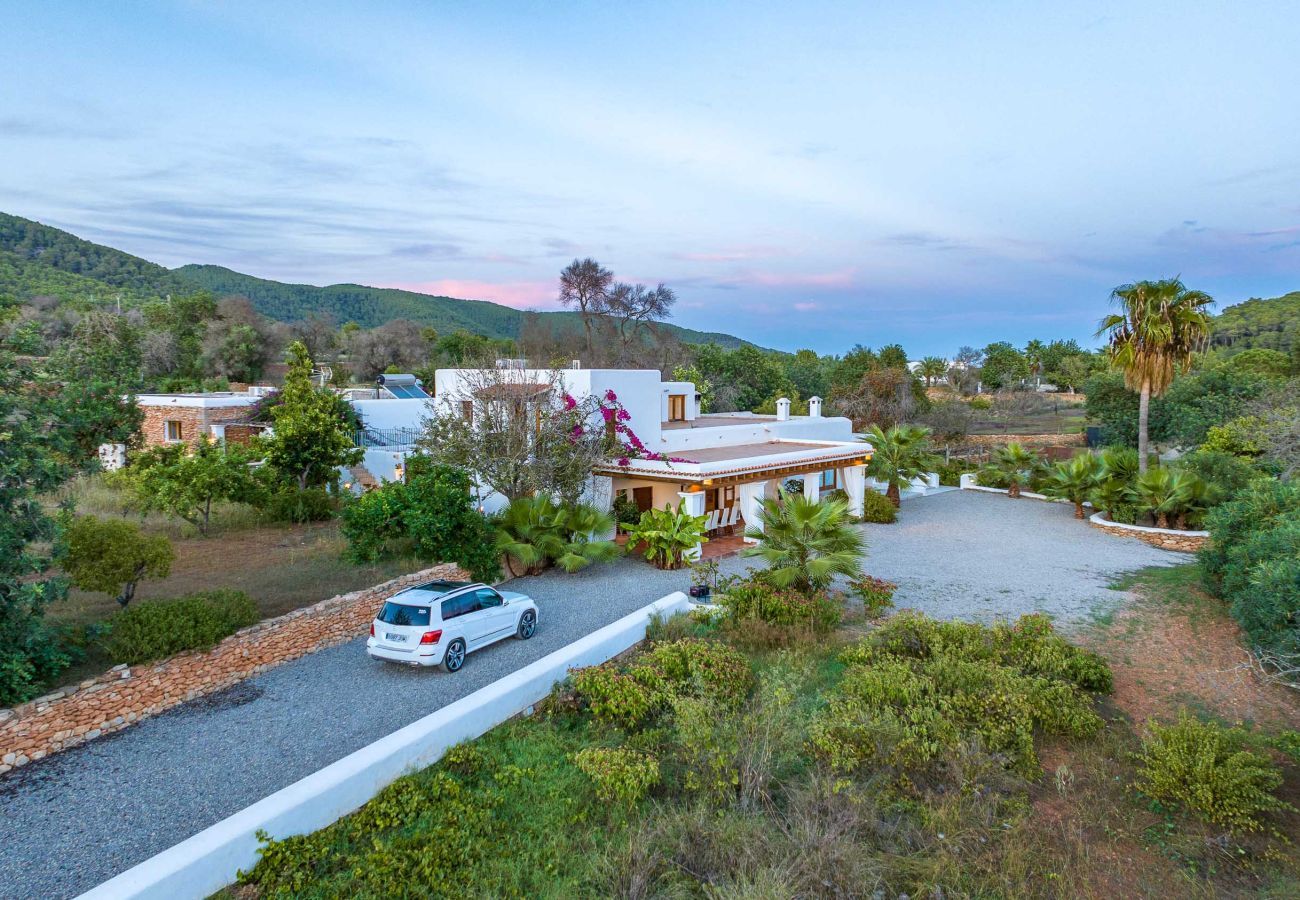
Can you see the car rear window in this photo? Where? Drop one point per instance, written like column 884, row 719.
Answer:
column 400, row 614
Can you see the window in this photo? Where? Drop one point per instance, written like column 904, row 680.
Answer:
column 172, row 431
column 467, row 411
column 459, row 606
column 830, row 479
column 488, row 598
column 676, row 407
column 400, row 614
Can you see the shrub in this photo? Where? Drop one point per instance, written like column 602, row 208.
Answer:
column 755, row 599
column 619, row 775
column 112, row 555
column 533, row 533
column 877, row 595
column 685, row 668
column 917, row 689
column 158, row 628
column 878, row 508
column 981, row 403
column 432, row 514
column 1250, row 562
column 1206, row 769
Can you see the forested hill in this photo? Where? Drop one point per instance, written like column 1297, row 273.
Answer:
column 1272, row 324
column 39, row 260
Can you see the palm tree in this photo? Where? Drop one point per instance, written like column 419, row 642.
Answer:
column 1159, row 330
column 1034, row 356
column 1074, row 480
column 899, row 455
column 933, row 367
column 1016, row 463
column 1161, row 494
column 806, row 543
column 1119, row 467
column 535, row 532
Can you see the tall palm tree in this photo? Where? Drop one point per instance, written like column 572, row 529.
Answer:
column 933, row 367
column 1160, row 328
column 899, row 454
column 806, row 543
column 1034, row 356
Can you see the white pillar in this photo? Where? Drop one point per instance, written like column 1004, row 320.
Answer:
column 750, row 496
column 812, row 486
column 855, row 485
column 599, row 492
column 693, row 504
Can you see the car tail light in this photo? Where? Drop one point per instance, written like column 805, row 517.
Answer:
column 431, row 637
column 372, row 629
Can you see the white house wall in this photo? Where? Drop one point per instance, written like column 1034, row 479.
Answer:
column 802, row 428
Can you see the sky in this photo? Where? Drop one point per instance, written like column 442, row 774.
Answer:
column 803, row 175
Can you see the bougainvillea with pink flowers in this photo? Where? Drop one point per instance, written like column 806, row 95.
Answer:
column 615, row 417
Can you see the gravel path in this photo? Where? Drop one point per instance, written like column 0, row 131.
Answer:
column 77, row 818
column 977, row 556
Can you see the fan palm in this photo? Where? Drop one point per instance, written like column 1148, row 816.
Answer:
column 535, row 532
column 1161, row 493
column 1015, row 463
column 933, row 367
column 899, row 454
column 1074, row 480
column 1161, row 327
column 806, row 543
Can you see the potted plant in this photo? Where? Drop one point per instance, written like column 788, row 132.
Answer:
column 704, row 578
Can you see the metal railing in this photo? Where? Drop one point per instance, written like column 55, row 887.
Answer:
column 386, row 437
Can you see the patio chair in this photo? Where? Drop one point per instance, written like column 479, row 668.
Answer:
column 711, row 522
column 732, row 518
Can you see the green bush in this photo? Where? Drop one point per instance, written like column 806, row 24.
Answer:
column 431, row 514
column 630, row 698
column 1251, row 561
column 877, row 508
column 917, row 690
column 754, row 599
column 619, row 775
column 1206, row 769
column 950, row 473
column 159, row 628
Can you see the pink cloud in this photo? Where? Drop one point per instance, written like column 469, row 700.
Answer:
column 807, row 306
column 519, row 294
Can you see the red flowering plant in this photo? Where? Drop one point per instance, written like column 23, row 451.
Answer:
column 622, row 439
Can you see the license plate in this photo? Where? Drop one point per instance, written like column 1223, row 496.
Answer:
column 396, row 638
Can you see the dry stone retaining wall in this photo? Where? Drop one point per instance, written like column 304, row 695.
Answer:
column 1164, row 538
column 125, row 695
column 1028, row 440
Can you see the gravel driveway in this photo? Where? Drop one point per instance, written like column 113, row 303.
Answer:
column 79, row 817
column 978, row 556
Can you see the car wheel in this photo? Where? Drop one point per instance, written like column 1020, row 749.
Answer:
column 455, row 657
column 527, row 625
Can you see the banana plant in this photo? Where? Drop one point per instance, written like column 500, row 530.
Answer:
column 668, row 535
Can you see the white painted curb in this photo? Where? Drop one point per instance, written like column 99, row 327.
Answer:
column 1100, row 519
column 209, row 860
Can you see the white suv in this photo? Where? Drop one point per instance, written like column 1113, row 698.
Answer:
column 441, row 621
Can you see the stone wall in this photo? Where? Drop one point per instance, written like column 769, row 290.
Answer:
column 194, row 421
column 1164, row 538
column 124, row 695
column 1027, row 440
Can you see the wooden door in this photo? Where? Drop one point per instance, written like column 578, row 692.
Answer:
column 643, row 497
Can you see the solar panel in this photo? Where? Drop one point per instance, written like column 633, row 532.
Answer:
column 406, row 391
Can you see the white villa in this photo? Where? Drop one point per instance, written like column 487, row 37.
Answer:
column 721, row 465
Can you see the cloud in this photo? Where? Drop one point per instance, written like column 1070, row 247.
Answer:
column 807, row 306
column 29, row 127
column 428, row 251
column 519, row 294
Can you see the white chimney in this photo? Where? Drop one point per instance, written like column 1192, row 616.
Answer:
column 814, row 407
column 783, row 409
column 575, row 364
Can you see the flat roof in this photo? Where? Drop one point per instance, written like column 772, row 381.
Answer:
column 747, row 451
column 707, row 421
